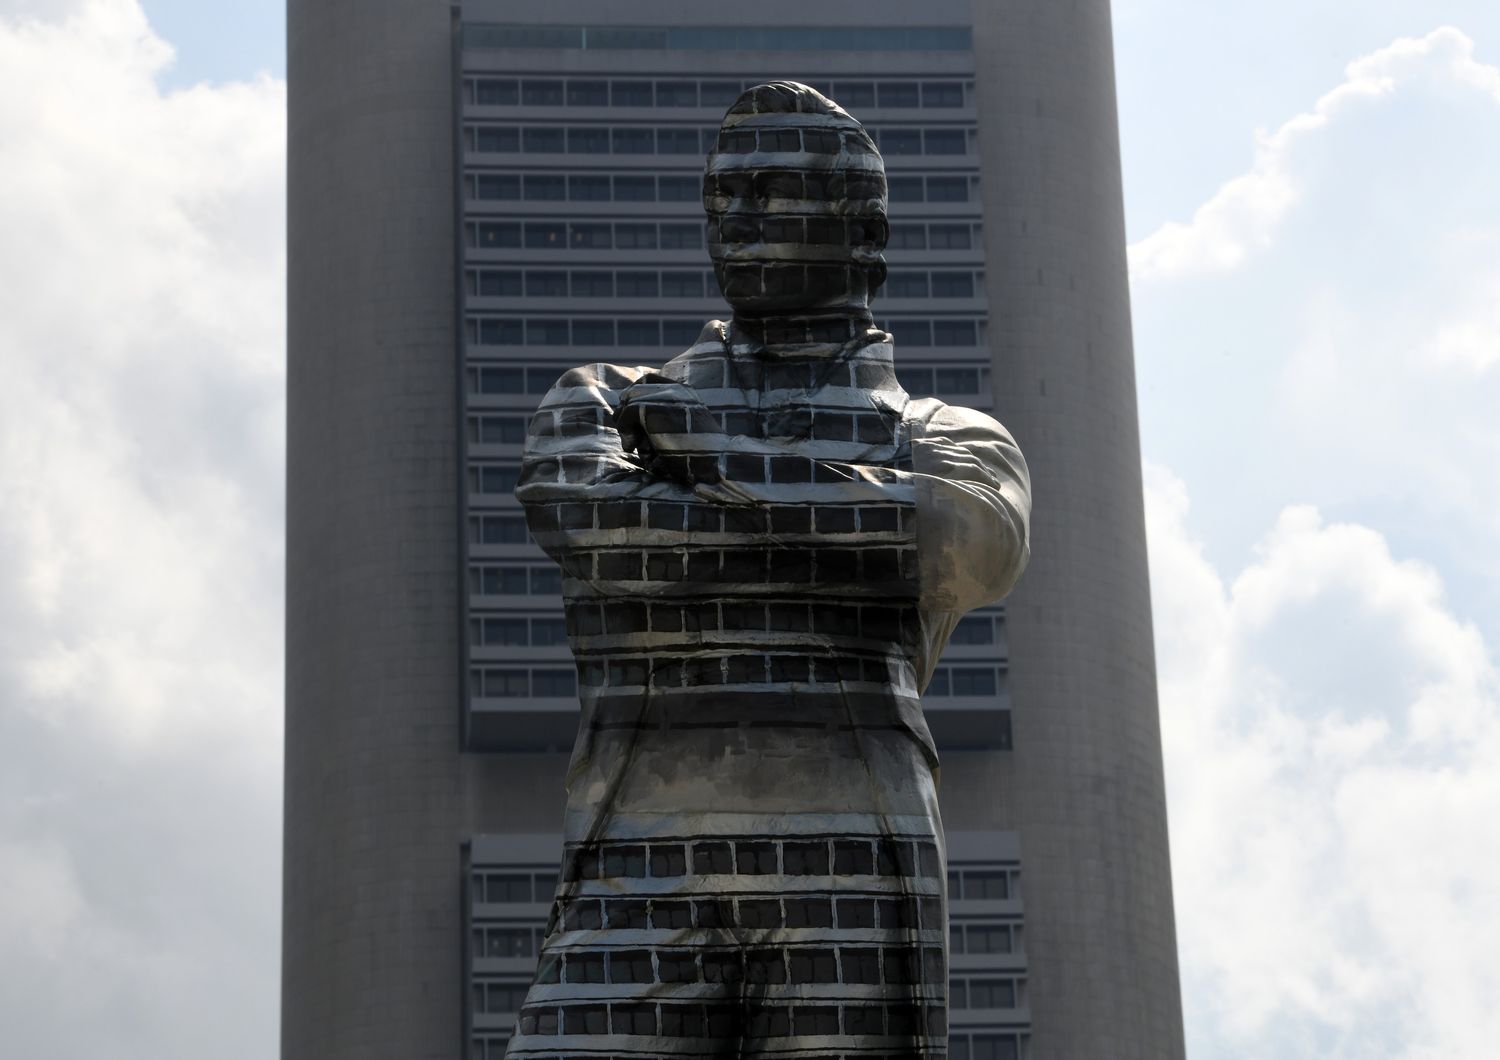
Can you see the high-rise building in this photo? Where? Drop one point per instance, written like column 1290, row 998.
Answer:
column 484, row 195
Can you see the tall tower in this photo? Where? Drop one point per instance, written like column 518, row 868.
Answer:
column 484, row 194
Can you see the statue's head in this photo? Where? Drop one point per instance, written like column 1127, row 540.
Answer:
column 796, row 199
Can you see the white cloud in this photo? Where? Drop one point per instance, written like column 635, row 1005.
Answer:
column 1243, row 217
column 140, row 446
column 1332, row 733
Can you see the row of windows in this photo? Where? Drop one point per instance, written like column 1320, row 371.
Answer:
column 851, row 38
column 518, row 682
column 584, row 235
column 681, row 283
column 976, row 937
column 651, row 235
column 591, row 332
column 555, row 92
column 506, row 631
column 514, row 683
column 764, row 913
column 671, row 860
column 984, row 885
column 985, row 1047
column 635, row 187
column 498, row 530
column 534, row 580
column 690, row 140
column 978, row 629
column 755, row 1021
column 499, row 997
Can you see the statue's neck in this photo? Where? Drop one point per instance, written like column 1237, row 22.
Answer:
column 834, row 324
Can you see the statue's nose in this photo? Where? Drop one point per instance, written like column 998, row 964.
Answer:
column 739, row 229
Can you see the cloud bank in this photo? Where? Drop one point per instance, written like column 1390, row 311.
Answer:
column 140, row 447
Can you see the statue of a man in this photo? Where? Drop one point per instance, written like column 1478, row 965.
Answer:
column 766, row 544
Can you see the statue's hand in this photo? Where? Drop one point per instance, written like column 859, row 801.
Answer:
column 670, row 429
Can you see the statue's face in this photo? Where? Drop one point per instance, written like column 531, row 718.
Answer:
column 796, row 213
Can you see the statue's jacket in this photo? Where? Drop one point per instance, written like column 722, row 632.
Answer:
column 758, row 581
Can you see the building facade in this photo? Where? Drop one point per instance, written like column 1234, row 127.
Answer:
column 482, row 197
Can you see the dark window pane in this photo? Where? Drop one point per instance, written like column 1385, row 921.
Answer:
column 974, row 629
column 677, row 142
column 593, row 284
column 956, row 380
column 630, row 93
column 949, row 237
column 497, row 138
column 955, row 333
column 497, row 186
column 852, row 94
column 635, row 189
column 547, row 284
column 542, row 93
column 546, row 235
column 547, row 332
column 547, row 632
column 635, row 236
column 542, row 140
column 953, row 285
column 942, row 94
column 676, row 93
column 544, row 186
column 681, row 237
column 592, row 236
column 588, row 140
column 639, row 333
column 898, row 94
column 593, row 332
column 901, row 141
column 588, row 93
column 637, row 285
column 634, row 141
column 946, row 141
column 680, row 334
column 495, row 283
column 908, row 237
column 495, row 331
column 718, row 93
column 588, row 189
column 947, row 189
column 682, row 285
column 907, row 285
column 491, row 93
column 678, row 189
column 546, row 581
column 904, row 189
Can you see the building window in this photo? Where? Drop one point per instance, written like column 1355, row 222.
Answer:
column 588, row 93
column 591, row 236
column 497, row 234
column 498, row 283
column 632, row 140
column 679, row 189
column 898, row 94
column 493, row 478
column 497, row 530
column 593, row 284
column 593, row 332
column 946, row 142
column 851, row 94
column 546, row 235
column 718, row 93
column 907, row 285
column 497, row 430
column 950, row 237
column 496, row 331
column 953, row 285
column 542, row 93
column 639, row 333
column 681, row 237
column 491, row 186
column 548, row 632
column 908, row 237
column 681, row 285
column 547, row 332
column 551, row 284
column 588, row 188
column 900, row 141
column 677, row 141
column 542, row 140
column 635, row 236
column 947, row 189
column 630, row 93
column 973, row 629
column 499, row 633
column 955, row 333
column 588, row 140
column 942, row 94
column 497, row 139
column 492, row 93
column 554, row 683
column 638, row 285
column 546, row 187
column 904, row 189
column 635, row 189
column 676, row 93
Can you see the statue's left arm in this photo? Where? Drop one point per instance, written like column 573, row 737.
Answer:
column 973, row 495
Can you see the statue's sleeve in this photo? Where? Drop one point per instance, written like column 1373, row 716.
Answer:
column 973, row 496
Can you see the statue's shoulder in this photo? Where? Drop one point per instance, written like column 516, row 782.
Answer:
column 702, row 363
column 930, row 417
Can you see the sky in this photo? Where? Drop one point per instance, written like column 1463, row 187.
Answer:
column 1315, row 254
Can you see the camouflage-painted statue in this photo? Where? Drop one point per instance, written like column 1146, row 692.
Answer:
column 766, row 544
